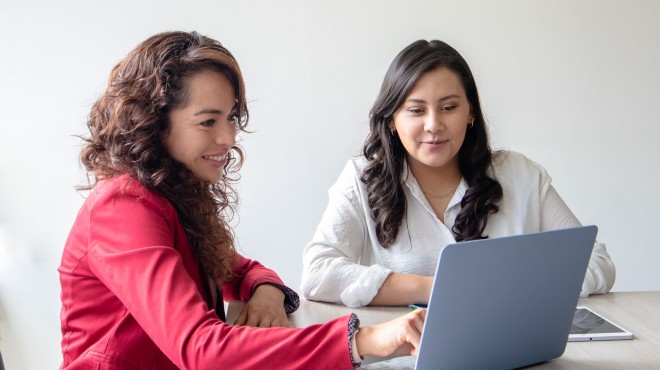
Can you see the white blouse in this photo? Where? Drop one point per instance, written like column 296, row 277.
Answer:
column 345, row 263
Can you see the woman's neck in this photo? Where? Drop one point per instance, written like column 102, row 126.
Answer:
column 436, row 182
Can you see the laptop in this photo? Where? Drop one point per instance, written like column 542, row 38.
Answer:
column 504, row 303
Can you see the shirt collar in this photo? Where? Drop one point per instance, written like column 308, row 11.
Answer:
column 412, row 184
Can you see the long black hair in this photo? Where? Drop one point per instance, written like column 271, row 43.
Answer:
column 386, row 154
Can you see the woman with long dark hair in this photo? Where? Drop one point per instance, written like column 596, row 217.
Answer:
column 427, row 178
column 151, row 257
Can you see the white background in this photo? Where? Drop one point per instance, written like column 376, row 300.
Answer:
column 574, row 85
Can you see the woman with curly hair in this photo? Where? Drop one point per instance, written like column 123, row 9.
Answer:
column 150, row 257
column 427, row 178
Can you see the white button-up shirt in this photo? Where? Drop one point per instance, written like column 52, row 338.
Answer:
column 345, row 263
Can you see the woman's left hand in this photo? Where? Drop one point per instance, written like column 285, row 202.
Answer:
column 265, row 309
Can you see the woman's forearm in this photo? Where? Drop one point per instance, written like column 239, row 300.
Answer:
column 403, row 289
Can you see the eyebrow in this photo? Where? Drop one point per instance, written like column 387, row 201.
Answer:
column 208, row 111
column 214, row 111
column 413, row 100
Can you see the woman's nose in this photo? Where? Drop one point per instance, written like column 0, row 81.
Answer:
column 226, row 134
column 433, row 122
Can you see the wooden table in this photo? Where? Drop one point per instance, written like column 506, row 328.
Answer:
column 638, row 312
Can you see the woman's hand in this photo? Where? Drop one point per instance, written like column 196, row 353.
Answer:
column 399, row 337
column 264, row 309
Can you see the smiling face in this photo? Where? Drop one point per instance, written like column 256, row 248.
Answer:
column 433, row 119
column 204, row 130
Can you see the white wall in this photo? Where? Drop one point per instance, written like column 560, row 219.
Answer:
column 574, row 85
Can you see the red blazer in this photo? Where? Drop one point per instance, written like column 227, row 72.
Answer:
column 133, row 297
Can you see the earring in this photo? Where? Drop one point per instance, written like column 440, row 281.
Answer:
column 471, row 123
column 392, row 131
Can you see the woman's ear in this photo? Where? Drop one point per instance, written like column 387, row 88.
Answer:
column 391, row 126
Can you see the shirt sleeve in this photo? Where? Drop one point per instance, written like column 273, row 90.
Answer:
column 331, row 261
column 132, row 251
column 555, row 214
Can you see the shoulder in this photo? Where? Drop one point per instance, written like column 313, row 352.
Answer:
column 125, row 191
column 349, row 184
column 123, row 185
column 514, row 169
column 351, row 172
column 357, row 164
column 509, row 161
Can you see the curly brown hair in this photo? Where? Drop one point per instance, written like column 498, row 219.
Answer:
column 386, row 154
column 126, row 129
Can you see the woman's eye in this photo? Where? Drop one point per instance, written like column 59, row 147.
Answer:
column 208, row 123
column 415, row 110
column 449, row 108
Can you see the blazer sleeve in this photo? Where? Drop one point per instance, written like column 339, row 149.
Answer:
column 248, row 275
column 132, row 251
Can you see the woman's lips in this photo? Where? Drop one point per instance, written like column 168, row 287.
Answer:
column 216, row 160
column 434, row 143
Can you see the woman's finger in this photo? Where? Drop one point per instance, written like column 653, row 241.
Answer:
column 240, row 321
column 416, row 327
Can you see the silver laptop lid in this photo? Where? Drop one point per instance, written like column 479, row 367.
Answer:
column 507, row 302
